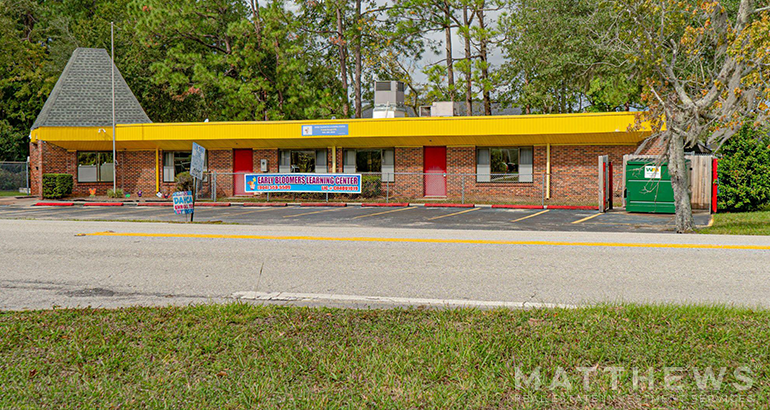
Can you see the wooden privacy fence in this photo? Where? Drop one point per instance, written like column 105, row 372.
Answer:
column 701, row 178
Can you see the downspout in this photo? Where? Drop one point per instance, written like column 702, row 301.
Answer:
column 157, row 170
column 548, row 171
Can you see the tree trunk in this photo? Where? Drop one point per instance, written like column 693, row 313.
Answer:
column 468, row 69
column 343, row 62
column 449, row 61
column 680, row 182
column 483, row 40
column 358, row 69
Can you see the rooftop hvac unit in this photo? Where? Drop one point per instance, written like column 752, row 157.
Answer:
column 389, row 99
column 440, row 109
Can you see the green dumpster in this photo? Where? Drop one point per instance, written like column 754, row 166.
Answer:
column 648, row 188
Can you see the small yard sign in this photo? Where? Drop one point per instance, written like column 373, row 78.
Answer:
column 183, row 202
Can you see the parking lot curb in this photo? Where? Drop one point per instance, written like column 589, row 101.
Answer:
column 316, row 204
column 388, row 204
column 450, row 205
column 263, row 204
column 54, row 204
column 217, row 204
column 504, row 206
column 102, row 203
column 155, row 204
column 575, row 207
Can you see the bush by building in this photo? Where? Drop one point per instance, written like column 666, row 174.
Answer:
column 744, row 171
column 184, row 182
column 57, row 186
column 371, row 186
column 116, row 193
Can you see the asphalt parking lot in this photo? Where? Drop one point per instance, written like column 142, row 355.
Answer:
column 402, row 217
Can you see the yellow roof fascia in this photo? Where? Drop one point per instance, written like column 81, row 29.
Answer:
column 563, row 129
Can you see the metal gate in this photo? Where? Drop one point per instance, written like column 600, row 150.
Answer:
column 14, row 176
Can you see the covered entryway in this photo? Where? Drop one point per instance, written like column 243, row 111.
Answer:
column 435, row 171
column 243, row 163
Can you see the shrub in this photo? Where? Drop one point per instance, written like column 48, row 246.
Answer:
column 57, row 186
column 11, row 181
column 117, row 193
column 371, row 186
column 744, row 171
column 184, row 182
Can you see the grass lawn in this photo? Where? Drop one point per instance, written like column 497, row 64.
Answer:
column 744, row 223
column 11, row 193
column 244, row 356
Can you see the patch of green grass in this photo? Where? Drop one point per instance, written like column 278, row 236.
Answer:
column 11, row 193
column 743, row 223
column 244, row 356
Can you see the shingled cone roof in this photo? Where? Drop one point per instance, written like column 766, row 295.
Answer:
column 82, row 97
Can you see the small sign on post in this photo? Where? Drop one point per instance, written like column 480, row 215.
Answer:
column 183, row 202
column 198, row 161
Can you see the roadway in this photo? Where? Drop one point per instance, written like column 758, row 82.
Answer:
column 48, row 263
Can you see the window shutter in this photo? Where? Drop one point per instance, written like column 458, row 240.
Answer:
column 525, row 165
column 388, row 165
column 349, row 166
column 482, row 165
column 320, row 161
column 168, row 167
column 285, row 165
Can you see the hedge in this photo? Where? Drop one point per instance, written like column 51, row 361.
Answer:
column 57, row 185
column 744, row 171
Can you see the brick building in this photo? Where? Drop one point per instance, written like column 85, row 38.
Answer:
column 520, row 158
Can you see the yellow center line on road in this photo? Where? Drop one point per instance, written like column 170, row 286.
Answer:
column 530, row 216
column 311, row 213
column 385, row 212
column 430, row 240
column 453, row 214
column 586, row 218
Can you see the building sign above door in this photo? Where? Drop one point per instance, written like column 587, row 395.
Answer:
column 324, row 130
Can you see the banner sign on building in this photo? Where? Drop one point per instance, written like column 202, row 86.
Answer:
column 319, row 183
column 198, row 161
column 324, row 130
column 183, row 202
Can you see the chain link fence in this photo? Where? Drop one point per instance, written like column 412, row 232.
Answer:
column 573, row 187
column 14, row 177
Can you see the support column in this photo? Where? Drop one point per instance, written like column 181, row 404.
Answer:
column 157, row 170
column 548, row 171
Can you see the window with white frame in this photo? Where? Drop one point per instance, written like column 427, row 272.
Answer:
column 504, row 164
column 176, row 162
column 306, row 161
column 370, row 161
column 95, row 167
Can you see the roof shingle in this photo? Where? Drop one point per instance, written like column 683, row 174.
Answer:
column 82, row 97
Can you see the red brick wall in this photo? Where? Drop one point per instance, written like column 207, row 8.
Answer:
column 574, row 173
column 35, row 168
column 408, row 160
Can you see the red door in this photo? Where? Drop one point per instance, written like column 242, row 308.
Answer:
column 434, row 159
column 243, row 163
